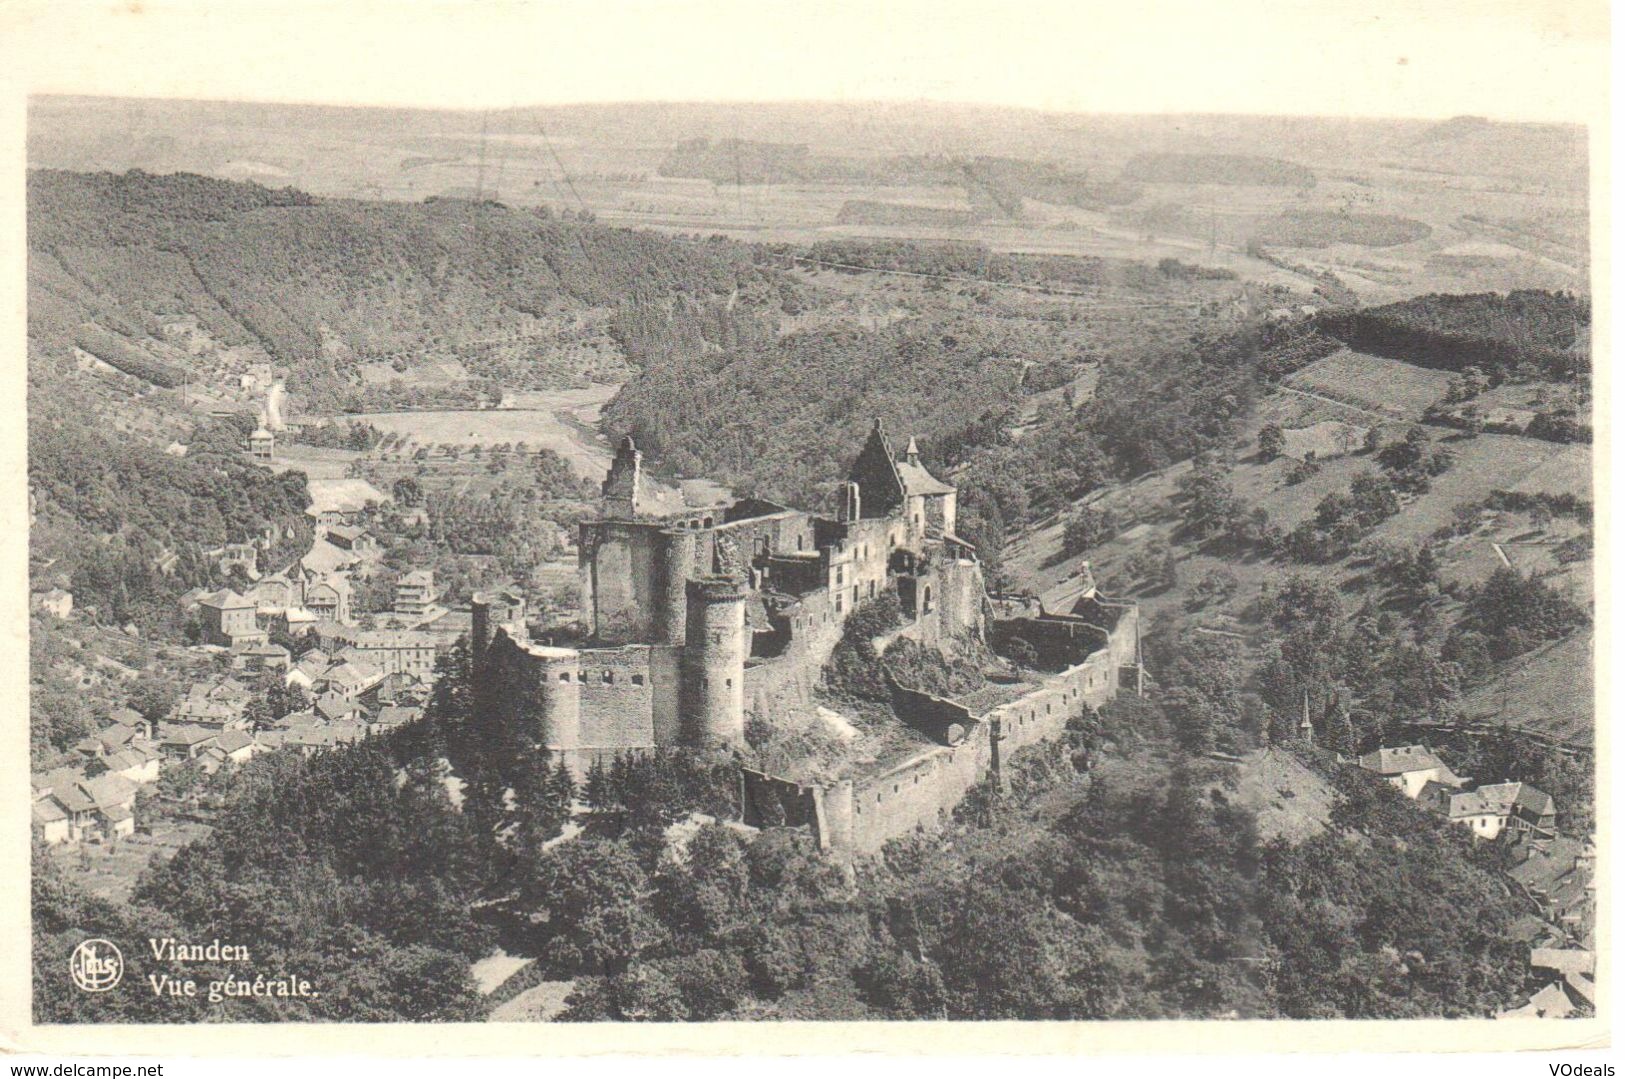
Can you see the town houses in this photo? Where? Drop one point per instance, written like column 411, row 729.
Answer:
column 1488, row 809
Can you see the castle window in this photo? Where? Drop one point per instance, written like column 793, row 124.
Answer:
column 609, row 678
column 728, row 683
column 798, row 543
column 871, row 590
column 637, row 679
column 838, row 606
column 581, row 676
column 564, row 676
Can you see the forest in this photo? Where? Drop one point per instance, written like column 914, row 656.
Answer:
column 318, row 283
column 1529, row 333
column 1152, row 894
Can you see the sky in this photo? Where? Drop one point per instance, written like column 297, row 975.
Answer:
column 1507, row 59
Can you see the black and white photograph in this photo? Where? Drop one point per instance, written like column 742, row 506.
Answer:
column 531, row 552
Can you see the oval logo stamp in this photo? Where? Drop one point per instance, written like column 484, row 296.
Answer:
column 96, row 965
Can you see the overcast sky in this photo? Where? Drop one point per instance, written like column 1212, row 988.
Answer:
column 1512, row 59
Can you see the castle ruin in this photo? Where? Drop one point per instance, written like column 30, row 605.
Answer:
column 696, row 618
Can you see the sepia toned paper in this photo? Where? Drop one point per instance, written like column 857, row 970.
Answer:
column 587, row 110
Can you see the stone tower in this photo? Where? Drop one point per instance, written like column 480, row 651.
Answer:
column 713, row 665
column 625, row 477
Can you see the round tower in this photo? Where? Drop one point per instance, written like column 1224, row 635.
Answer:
column 714, row 652
column 559, row 672
column 677, row 559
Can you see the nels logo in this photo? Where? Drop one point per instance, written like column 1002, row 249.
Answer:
column 96, row 965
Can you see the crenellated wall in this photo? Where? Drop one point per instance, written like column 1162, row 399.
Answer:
column 863, row 814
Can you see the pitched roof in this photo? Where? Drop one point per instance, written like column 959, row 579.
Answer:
column 225, row 600
column 232, row 741
column 393, row 715
column 1400, row 759
column 48, row 809
column 185, row 734
column 109, row 789
column 1564, row 960
column 917, row 480
column 418, row 576
column 1535, row 800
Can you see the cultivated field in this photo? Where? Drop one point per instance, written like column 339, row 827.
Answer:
column 1390, row 388
column 562, row 421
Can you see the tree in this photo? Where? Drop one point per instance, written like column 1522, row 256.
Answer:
column 1271, row 441
column 1086, row 527
column 595, row 897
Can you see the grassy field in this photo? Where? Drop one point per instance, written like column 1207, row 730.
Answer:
column 560, row 421
column 1550, row 690
column 1382, row 386
column 109, row 870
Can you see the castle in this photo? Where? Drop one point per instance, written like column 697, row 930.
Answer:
column 695, row 619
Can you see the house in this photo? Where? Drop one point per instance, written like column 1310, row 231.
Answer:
column 329, row 599
column 139, row 763
column 1556, row 874
column 337, row 708
column 183, row 742
column 294, row 621
column 1492, row 808
column 261, row 444
column 391, row 716
column 353, row 538
column 1564, row 961
column 219, row 705
column 414, row 592
column 1410, row 768
column 258, row 378
column 349, row 680
column 1549, row 1003
column 50, row 820
column 228, row 619
column 95, row 808
column 129, row 717
column 260, row 656
column 116, row 736
column 309, row 739
column 391, row 651
column 237, row 555
column 229, row 748
column 56, row 601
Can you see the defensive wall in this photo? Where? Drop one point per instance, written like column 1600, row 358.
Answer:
column 861, row 814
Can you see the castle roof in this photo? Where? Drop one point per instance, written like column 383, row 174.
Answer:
column 916, row 480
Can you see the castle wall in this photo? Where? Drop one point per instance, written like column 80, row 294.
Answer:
column 786, row 682
column 623, row 579
column 945, row 601
column 617, row 700
column 922, row 791
column 938, row 718
column 918, row 794
column 771, row 802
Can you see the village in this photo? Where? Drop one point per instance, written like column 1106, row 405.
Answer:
column 1551, row 871
column 337, row 674
column 290, row 662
